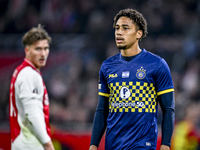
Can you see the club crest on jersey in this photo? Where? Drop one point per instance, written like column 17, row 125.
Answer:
column 141, row 73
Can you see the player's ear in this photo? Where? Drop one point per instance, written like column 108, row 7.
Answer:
column 26, row 49
column 139, row 34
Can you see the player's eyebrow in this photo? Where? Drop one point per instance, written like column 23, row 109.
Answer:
column 124, row 25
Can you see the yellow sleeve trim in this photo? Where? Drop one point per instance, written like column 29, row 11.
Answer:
column 104, row 94
column 165, row 91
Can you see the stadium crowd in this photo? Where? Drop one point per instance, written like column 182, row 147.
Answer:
column 83, row 37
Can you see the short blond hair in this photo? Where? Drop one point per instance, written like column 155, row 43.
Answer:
column 35, row 34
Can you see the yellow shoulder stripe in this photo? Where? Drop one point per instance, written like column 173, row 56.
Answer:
column 165, row 91
column 104, row 94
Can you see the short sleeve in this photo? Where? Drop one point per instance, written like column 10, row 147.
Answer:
column 164, row 83
column 103, row 86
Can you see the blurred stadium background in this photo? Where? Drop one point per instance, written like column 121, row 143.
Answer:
column 83, row 37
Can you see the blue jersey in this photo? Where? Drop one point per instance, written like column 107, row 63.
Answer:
column 132, row 88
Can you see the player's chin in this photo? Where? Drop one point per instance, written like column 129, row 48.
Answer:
column 121, row 47
column 42, row 64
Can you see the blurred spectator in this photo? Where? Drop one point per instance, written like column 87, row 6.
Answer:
column 186, row 134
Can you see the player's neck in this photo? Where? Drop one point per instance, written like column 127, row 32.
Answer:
column 131, row 51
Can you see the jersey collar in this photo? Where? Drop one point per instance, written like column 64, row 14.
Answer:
column 132, row 56
column 32, row 65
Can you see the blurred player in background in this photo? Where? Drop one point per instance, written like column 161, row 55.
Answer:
column 186, row 132
column 29, row 103
column 130, row 87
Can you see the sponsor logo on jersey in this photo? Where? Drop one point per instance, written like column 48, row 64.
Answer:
column 123, row 104
column 35, row 91
column 125, row 92
column 128, row 104
column 112, row 75
column 125, row 74
column 140, row 104
column 141, row 73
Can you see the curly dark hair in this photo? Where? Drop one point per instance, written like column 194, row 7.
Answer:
column 137, row 18
column 35, row 34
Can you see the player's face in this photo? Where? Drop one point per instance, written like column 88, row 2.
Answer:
column 126, row 34
column 38, row 53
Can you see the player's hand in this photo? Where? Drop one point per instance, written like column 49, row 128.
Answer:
column 93, row 147
column 49, row 146
column 164, row 147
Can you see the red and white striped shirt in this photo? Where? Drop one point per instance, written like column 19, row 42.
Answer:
column 28, row 108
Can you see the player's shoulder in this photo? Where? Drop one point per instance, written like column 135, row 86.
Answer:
column 111, row 59
column 158, row 61
column 28, row 72
column 151, row 56
column 108, row 63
